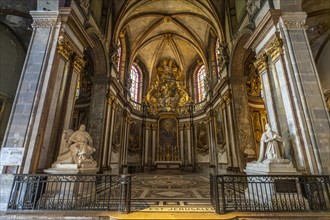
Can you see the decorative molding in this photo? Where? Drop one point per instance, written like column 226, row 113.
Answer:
column 223, row 53
column 293, row 21
column 261, row 63
column 294, row 25
column 79, row 63
column 64, row 48
column 167, row 19
column 111, row 99
column 43, row 23
column 275, row 48
column 84, row 4
column 252, row 6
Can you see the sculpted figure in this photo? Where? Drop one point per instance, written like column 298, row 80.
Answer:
column 269, row 145
column 79, row 147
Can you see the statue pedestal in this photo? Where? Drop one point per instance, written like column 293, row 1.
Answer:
column 272, row 185
column 65, row 188
column 271, row 167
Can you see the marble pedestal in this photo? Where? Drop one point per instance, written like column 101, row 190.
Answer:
column 65, row 188
column 268, row 184
column 271, row 167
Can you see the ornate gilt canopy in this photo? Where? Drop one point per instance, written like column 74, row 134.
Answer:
column 167, row 92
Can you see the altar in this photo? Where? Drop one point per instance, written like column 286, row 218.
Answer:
column 168, row 164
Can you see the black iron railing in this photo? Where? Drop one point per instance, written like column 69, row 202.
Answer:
column 70, row 193
column 269, row 193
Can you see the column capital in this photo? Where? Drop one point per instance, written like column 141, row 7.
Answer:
column 64, row 47
column 44, row 19
column 261, row 63
column 293, row 20
column 275, row 48
column 79, row 63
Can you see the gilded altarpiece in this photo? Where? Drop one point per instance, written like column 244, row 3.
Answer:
column 202, row 143
column 167, row 91
column 134, row 149
column 168, row 147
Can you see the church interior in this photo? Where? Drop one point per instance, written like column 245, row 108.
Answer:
column 157, row 89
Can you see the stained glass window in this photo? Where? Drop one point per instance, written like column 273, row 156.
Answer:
column 135, row 83
column 119, row 55
column 200, row 84
column 217, row 57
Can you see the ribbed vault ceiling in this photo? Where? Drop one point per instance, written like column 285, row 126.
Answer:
column 168, row 29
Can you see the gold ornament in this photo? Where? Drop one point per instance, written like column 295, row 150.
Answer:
column 167, row 91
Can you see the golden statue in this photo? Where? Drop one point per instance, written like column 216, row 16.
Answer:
column 167, row 90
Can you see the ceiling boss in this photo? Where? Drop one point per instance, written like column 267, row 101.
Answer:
column 167, row 92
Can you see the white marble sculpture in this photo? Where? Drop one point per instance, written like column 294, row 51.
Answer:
column 77, row 148
column 270, row 160
column 270, row 145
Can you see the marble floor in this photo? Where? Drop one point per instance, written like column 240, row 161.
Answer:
column 171, row 193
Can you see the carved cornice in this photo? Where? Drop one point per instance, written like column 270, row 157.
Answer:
column 275, row 48
column 222, row 103
column 227, row 98
column 261, row 63
column 43, row 23
column 79, row 63
column 299, row 24
column 64, row 48
column 111, row 99
column 293, row 21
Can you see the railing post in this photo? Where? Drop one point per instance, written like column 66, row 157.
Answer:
column 216, row 193
column 125, row 194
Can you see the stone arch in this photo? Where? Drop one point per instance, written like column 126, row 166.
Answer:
column 11, row 67
column 242, row 122
column 100, row 81
column 99, row 56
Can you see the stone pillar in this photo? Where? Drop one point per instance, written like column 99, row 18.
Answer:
column 154, row 141
column 227, row 131
column 147, row 145
column 26, row 116
column 124, row 145
column 232, row 144
column 181, row 132
column 97, row 112
column 243, row 129
column 190, row 147
column 104, row 152
column 110, row 134
column 311, row 111
column 213, row 148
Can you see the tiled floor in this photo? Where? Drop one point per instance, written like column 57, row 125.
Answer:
column 171, row 193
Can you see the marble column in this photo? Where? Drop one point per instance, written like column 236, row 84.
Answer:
column 110, row 134
column 26, row 116
column 107, row 132
column 153, row 145
column 181, row 146
column 311, row 111
column 190, row 148
column 227, row 133
column 147, row 145
column 243, row 129
column 212, row 144
column 97, row 112
column 234, row 149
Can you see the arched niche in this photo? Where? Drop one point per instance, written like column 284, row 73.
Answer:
column 11, row 63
